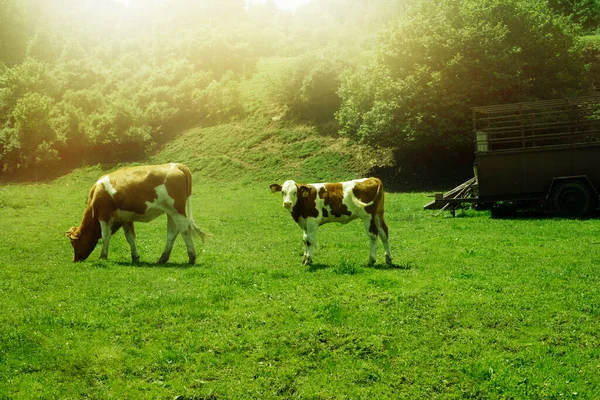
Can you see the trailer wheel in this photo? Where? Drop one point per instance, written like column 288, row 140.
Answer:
column 572, row 199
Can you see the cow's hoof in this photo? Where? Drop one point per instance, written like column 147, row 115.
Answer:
column 371, row 262
column 135, row 259
column 163, row 259
column 307, row 261
column 388, row 260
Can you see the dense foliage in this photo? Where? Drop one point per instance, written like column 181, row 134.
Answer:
column 80, row 99
column 98, row 81
column 87, row 82
column 583, row 12
column 445, row 57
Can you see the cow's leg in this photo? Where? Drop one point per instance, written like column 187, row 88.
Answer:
column 130, row 236
column 106, row 235
column 306, row 242
column 372, row 232
column 188, row 238
column 172, row 232
column 310, row 239
column 184, row 227
column 384, row 236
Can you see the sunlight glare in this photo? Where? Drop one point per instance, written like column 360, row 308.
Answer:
column 287, row 5
column 290, row 5
column 124, row 2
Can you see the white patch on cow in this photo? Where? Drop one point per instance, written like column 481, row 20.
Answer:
column 163, row 203
column 162, row 200
column 349, row 198
column 320, row 202
column 105, row 181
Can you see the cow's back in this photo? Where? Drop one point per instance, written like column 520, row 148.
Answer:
column 132, row 189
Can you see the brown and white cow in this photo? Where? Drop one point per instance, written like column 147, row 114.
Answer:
column 136, row 194
column 315, row 204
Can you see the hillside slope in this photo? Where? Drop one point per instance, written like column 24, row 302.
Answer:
column 253, row 152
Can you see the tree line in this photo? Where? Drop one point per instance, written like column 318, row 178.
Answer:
column 96, row 81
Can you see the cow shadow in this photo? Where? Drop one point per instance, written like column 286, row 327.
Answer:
column 379, row 266
column 405, row 267
column 147, row 264
column 317, row 267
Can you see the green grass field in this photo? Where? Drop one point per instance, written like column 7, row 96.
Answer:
column 475, row 308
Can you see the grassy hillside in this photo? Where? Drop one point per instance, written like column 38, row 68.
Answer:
column 259, row 152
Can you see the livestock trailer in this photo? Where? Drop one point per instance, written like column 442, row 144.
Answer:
column 541, row 153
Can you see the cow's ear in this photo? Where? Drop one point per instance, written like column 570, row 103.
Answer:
column 72, row 234
column 275, row 187
column 306, row 190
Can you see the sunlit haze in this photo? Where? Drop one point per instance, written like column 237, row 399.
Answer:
column 290, row 5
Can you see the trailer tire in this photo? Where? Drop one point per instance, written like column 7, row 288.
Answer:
column 573, row 199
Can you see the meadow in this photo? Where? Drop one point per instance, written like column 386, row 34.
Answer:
column 474, row 307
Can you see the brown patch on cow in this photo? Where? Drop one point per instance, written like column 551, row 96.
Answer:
column 372, row 227
column 306, row 205
column 102, row 204
column 383, row 225
column 179, row 187
column 135, row 186
column 333, row 196
column 370, row 190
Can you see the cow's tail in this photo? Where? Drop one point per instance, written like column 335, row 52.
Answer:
column 195, row 228
column 188, row 204
column 360, row 203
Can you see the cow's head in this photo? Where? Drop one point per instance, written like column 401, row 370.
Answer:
column 83, row 243
column 290, row 190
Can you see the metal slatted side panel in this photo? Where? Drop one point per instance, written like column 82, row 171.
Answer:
column 574, row 121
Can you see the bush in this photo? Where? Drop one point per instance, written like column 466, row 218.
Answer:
column 118, row 132
column 29, row 139
column 307, row 88
column 220, row 101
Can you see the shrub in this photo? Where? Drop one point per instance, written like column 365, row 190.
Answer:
column 307, row 88
column 28, row 140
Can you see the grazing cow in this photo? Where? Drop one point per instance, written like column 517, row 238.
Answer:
column 139, row 194
column 315, row 204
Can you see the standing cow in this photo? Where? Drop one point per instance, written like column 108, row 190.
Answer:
column 315, row 204
column 139, row 194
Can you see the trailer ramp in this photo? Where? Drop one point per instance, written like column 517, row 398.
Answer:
column 452, row 199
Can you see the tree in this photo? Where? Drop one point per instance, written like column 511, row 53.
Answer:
column 446, row 56
column 584, row 12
